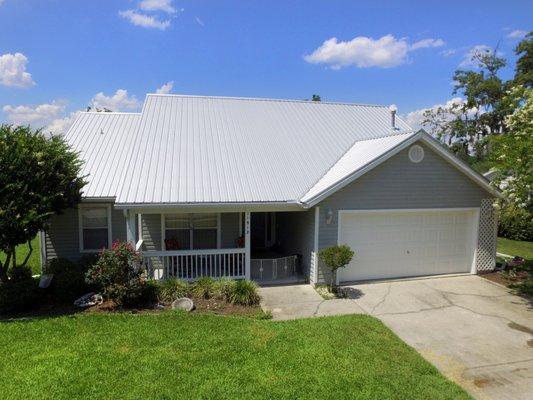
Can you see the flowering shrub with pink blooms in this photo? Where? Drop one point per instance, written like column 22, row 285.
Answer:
column 117, row 275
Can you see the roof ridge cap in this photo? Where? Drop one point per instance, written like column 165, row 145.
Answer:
column 265, row 99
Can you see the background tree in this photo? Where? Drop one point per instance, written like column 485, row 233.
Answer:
column 512, row 157
column 466, row 124
column 39, row 177
column 316, row 97
column 524, row 64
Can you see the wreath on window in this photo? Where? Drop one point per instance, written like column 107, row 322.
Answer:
column 172, row 244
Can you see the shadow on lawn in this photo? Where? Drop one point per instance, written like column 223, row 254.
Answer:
column 46, row 311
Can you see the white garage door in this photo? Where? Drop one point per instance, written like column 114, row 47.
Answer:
column 395, row 244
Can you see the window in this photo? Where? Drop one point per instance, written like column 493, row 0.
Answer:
column 95, row 228
column 191, row 231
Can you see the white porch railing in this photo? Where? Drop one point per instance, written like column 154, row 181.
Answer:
column 193, row 264
column 271, row 269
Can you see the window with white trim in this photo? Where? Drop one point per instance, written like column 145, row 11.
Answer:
column 191, row 231
column 95, row 228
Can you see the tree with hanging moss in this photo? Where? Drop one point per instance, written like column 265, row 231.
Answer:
column 39, row 177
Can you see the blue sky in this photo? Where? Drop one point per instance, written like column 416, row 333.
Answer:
column 58, row 56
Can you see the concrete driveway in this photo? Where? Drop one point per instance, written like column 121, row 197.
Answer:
column 476, row 332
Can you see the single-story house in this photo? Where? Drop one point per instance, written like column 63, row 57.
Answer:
column 254, row 188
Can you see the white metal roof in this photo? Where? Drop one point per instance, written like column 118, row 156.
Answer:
column 104, row 143
column 357, row 157
column 193, row 149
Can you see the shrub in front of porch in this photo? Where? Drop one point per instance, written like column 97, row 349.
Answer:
column 117, row 275
column 172, row 289
column 239, row 292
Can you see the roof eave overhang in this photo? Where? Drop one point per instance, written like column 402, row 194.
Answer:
column 154, row 208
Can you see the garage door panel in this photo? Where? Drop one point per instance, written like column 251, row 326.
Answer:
column 400, row 244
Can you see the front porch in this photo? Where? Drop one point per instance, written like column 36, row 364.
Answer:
column 236, row 245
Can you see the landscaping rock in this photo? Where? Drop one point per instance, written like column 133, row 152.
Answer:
column 183, row 303
column 89, row 299
column 45, row 281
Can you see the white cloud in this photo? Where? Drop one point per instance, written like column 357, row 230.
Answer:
column 415, row 118
column 36, row 116
column 448, row 52
column 517, row 34
column 166, row 88
column 199, row 21
column 120, row 101
column 13, row 70
column 60, row 126
column 143, row 20
column 364, row 52
column 158, row 5
column 425, row 43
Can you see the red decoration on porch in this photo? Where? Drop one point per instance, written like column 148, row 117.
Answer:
column 240, row 241
column 172, row 244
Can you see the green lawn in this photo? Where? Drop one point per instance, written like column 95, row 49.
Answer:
column 515, row 248
column 180, row 356
column 22, row 251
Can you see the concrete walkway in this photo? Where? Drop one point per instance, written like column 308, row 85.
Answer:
column 302, row 301
column 476, row 332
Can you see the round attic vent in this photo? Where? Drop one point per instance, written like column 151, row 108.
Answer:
column 416, row 153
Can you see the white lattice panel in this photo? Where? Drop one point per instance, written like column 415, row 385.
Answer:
column 488, row 227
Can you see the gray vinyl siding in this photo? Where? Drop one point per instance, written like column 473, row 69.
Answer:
column 399, row 183
column 296, row 235
column 62, row 237
column 151, row 231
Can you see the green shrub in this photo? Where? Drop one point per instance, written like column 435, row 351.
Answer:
column 19, row 294
column 244, row 292
column 117, row 275
column 335, row 257
column 515, row 223
column 524, row 288
column 68, row 282
column 149, row 294
column 203, row 287
column 222, row 288
column 20, row 273
column 172, row 289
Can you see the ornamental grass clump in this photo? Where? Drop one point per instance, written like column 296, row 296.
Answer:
column 244, row 292
column 203, row 287
column 223, row 288
column 173, row 289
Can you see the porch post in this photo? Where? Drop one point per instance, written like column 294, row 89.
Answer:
column 131, row 234
column 247, row 265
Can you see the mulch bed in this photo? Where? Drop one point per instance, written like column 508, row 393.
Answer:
column 202, row 306
column 503, row 280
